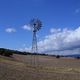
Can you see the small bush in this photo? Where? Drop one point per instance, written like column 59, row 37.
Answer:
column 78, row 57
column 57, row 56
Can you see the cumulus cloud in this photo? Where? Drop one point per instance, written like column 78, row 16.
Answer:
column 61, row 42
column 77, row 10
column 10, row 30
column 26, row 27
column 53, row 30
column 26, row 49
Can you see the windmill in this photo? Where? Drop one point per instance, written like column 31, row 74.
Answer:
column 35, row 25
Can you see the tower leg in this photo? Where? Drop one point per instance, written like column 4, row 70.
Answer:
column 34, row 43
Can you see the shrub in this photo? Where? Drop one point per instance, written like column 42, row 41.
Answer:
column 58, row 56
column 78, row 57
column 6, row 52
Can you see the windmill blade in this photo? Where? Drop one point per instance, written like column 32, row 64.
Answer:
column 35, row 24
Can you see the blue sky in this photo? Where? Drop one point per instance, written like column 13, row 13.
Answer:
column 55, row 15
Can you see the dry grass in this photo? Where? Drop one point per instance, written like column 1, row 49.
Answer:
column 45, row 68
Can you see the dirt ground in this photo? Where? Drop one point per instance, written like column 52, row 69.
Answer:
column 22, row 67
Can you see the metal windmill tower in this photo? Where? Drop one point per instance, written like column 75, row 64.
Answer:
column 35, row 25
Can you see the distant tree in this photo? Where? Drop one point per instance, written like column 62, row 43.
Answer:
column 6, row 52
column 58, row 56
column 1, row 51
column 78, row 57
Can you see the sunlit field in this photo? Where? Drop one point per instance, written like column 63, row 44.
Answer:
column 27, row 67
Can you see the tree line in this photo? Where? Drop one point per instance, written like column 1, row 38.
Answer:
column 8, row 52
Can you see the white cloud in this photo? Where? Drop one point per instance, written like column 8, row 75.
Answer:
column 10, row 30
column 25, row 49
column 62, row 42
column 26, row 27
column 77, row 10
column 53, row 30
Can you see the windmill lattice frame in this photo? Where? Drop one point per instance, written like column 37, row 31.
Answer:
column 36, row 25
